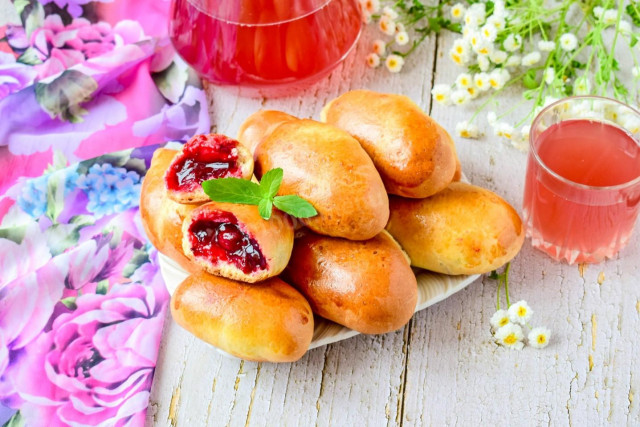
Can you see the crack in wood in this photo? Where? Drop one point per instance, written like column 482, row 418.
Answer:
column 253, row 393
column 324, row 367
column 406, row 345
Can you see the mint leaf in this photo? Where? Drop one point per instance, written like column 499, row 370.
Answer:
column 264, row 207
column 295, row 206
column 270, row 182
column 233, row 190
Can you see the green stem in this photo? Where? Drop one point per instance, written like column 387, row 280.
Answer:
column 506, row 283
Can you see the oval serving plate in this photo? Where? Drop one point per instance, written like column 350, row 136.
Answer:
column 432, row 288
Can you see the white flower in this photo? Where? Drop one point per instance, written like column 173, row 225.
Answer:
column 464, row 80
column 539, row 337
column 610, row 16
column 379, row 47
column 481, row 80
column 549, row 75
column 498, row 56
column 388, row 11
column 624, row 27
column 483, row 62
column 635, row 71
column 461, row 47
column 582, row 86
column 489, row 32
column 531, row 59
column 496, row 21
column 483, row 48
column 460, row 59
column 546, row 45
column 511, row 336
column 499, row 319
column 402, row 38
column 630, row 123
column 520, row 312
column 366, row 17
column 492, row 118
column 371, row 6
column 568, row 42
column 400, row 27
column 598, row 12
column 473, row 92
column 498, row 9
column 504, row 130
column 394, row 63
column 474, row 39
column 513, row 61
column 457, row 11
column 498, row 78
column 387, row 25
column 474, row 16
column 441, row 94
column 373, row 60
column 467, row 130
column 524, row 132
column 512, row 42
column 460, row 97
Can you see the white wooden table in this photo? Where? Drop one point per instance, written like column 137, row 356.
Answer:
column 443, row 368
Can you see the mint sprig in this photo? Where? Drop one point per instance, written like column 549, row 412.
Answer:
column 241, row 191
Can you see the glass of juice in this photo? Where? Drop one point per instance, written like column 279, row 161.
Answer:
column 582, row 188
column 265, row 47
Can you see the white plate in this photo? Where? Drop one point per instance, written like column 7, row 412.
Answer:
column 432, row 288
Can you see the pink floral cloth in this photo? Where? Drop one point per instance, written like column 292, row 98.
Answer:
column 88, row 90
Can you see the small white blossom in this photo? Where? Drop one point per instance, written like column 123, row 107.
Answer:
column 499, row 319
column 635, row 71
column 371, row 6
column 402, row 38
column 400, row 27
column 610, row 16
column 489, row 32
column 457, row 11
column 498, row 9
column 498, row 56
column 461, row 47
column 568, row 42
column 492, row 118
column 520, row 312
column 481, row 80
column 539, row 337
column 474, row 39
column 373, row 60
column 464, row 80
column 366, row 17
column 524, row 132
column 510, row 336
column 512, row 42
column 546, row 45
column 475, row 15
column 498, row 78
column 483, row 48
column 549, row 75
column 473, row 92
column 467, row 130
column 631, row 123
column 496, row 21
column 390, row 12
column 531, row 58
column 514, row 61
column 379, row 47
column 504, row 130
column 460, row 97
column 624, row 27
column 387, row 25
column 598, row 12
column 394, row 63
column 441, row 94
column 483, row 62
column 460, row 59
column 582, row 86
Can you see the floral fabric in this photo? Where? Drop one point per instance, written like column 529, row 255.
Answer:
column 88, row 90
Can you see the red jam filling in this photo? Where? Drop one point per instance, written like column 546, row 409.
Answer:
column 218, row 238
column 203, row 157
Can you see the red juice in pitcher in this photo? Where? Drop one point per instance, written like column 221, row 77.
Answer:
column 264, row 43
column 577, row 201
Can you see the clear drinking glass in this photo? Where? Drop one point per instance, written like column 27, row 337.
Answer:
column 582, row 189
column 266, row 47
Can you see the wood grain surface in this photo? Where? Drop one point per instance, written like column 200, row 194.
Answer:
column 443, row 368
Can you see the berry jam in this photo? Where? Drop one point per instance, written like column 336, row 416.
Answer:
column 203, row 157
column 217, row 237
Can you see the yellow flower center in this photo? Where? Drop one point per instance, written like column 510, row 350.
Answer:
column 464, row 134
column 439, row 97
column 510, row 339
column 541, row 339
column 457, row 59
column 504, row 321
column 522, row 311
column 459, row 49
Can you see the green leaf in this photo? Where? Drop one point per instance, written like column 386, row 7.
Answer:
column 139, row 258
column 634, row 40
column 55, row 196
column 62, row 96
column 29, row 57
column 295, row 206
column 265, row 207
column 172, row 81
column 15, row 234
column 34, row 19
column 633, row 10
column 19, row 5
column 529, row 79
column 233, row 190
column 69, row 302
column 60, row 237
column 270, row 182
column 82, row 220
column 103, row 287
